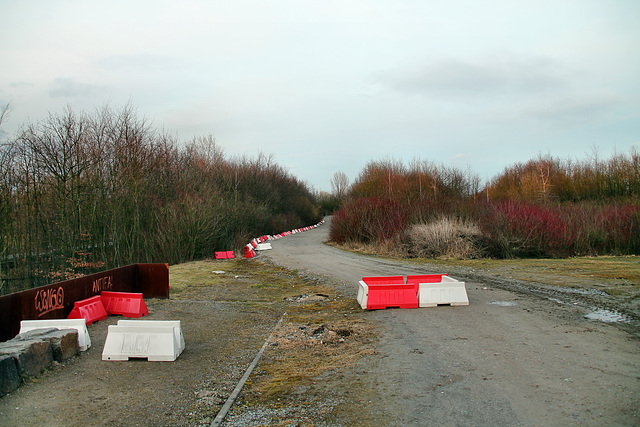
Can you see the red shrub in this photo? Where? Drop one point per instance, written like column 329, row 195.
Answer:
column 515, row 229
column 519, row 229
column 618, row 229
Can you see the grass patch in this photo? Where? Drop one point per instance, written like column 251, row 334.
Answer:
column 321, row 331
column 608, row 269
column 314, row 338
column 263, row 285
column 235, row 280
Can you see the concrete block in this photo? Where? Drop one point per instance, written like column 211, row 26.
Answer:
column 64, row 342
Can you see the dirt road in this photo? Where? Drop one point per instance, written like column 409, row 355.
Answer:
column 509, row 358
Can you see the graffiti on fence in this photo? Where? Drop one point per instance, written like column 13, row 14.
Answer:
column 102, row 284
column 47, row 300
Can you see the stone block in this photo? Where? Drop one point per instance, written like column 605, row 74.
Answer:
column 31, row 356
column 64, row 342
column 9, row 378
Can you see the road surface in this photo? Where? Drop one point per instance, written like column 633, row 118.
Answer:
column 509, row 358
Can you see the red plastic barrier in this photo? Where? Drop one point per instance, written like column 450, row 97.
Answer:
column 426, row 278
column 127, row 304
column 382, row 280
column 248, row 251
column 391, row 292
column 224, row 255
column 90, row 309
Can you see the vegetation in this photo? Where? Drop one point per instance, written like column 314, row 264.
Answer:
column 543, row 208
column 82, row 191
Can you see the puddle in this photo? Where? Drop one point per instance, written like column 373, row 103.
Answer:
column 608, row 316
column 504, row 303
column 586, row 299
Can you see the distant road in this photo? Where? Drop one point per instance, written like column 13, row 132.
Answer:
column 506, row 359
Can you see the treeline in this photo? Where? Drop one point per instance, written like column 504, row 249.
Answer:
column 552, row 179
column 543, row 208
column 80, row 192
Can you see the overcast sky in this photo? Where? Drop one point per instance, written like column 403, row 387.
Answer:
column 327, row 85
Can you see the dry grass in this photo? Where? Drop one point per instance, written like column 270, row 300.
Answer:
column 444, row 238
column 367, row 248
column 320, row 331
column 605, row 269
column 315, row 338
column 239, row 280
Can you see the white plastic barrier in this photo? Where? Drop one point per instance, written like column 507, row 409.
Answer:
column 263, row 246
column 175, row 324
column 84, row 341
column 154, row 340
column 363, row 294
column 446, row 292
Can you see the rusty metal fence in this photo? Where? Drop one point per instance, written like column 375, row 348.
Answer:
column 55, row 301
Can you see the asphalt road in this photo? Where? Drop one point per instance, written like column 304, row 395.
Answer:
column 509, row 358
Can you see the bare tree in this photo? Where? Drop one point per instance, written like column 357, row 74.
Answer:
column 339, row 184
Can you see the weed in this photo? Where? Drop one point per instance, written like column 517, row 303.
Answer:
column 446, row 237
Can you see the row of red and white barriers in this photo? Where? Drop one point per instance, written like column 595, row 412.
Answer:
column 262, row 243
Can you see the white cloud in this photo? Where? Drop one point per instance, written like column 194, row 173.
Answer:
column 460, row 79
column 579, row 109
column 66, row 87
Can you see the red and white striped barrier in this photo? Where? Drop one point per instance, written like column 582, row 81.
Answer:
column 258, row 243
column 248, row 251
column 429, row 290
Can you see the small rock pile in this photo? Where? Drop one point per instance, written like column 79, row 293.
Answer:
column 308, row 335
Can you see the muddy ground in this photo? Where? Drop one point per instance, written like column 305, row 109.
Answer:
column 522, row 353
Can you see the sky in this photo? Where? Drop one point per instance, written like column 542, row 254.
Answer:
column 327, row 86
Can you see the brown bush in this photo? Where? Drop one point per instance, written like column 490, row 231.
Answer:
column 444, row 238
